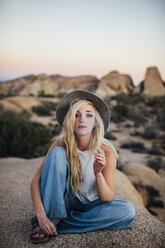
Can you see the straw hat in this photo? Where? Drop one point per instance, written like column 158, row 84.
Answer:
column 99, row 104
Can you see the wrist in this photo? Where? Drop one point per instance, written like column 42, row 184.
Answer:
column 99, row 174
column 40, row 215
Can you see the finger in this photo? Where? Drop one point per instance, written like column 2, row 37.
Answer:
column 99, row 155
column 101, row 161
column 54, row 231
column 48, row 230
column 100, row 151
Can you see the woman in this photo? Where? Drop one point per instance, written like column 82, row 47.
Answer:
column 73, row 191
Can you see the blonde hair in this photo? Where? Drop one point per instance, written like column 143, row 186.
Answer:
column 67, row 139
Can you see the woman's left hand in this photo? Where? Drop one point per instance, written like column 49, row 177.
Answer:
column 99, row 162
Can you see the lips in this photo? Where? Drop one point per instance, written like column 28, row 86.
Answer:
column 81, row 126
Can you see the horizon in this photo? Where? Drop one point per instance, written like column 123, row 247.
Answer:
column 81, row 38
column 99, row 78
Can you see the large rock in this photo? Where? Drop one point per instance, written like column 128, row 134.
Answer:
column 48, row 85
column 14, row 87
column 153, row 84
column 115, row 83
column 16, row 212
column 42, row 85
column 20, row 103
column 141, row 175
column 85, row 82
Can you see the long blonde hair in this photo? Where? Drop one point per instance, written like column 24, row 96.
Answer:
column 67, row 139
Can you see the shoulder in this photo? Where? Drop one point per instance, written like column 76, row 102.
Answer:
column 107, row 149
column 54, row 145
column 110, row 153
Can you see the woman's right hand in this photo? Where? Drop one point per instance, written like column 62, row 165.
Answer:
column 47, row 225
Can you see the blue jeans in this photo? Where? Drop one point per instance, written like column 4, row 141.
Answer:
column 67, row 212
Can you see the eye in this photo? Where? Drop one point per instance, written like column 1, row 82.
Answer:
column 89, row 115
column 76, row 115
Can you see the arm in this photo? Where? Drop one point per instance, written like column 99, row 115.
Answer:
column 104, row 169
column 36, row 197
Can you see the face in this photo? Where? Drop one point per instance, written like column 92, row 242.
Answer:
column 84, row 120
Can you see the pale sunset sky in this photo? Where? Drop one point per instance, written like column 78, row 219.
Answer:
column 81, row 37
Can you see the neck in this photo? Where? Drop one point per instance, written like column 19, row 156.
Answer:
column 82, row 143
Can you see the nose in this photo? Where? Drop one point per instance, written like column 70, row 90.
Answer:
column 81, row 118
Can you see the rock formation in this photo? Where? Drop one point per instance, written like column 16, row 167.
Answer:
column 35, row 85
column 153, row 84
column 42, row 84
column 17, row 210
column 111, row 84
column 143, row 176
column 115, row 83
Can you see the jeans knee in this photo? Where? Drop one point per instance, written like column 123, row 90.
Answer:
column 130, row 211
column 57, row 158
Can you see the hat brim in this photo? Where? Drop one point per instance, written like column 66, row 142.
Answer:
column 99, row 104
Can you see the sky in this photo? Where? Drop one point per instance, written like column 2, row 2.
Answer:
column 81, row 37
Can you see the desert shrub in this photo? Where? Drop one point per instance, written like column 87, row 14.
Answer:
column 137, row 114
column 25, row 114
column 55, row 128
column 148, row 194
column 151, row 131
column 135, row 133
column 109, row 135
column 155, row 163
column 41, row 110
column 134, row 146
column 161, row 118
column 119, row 112
column 2, row 96
column 1, row 108
column 156, row 148
column 7, row 114
column 20, row 137
column 162, row 144
column 129, row 98
column 50, row 105
column 41, row 93
column 156, row 101
column 127, row 125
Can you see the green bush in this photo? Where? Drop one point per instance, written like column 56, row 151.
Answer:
column 119, row 112
column 155, row 163
column 22, row 138
column 134, row 146
column 41, row 93
column 129, row 98
column 41, row 110
column 49, row 105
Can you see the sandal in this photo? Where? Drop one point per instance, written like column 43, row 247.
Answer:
column 33, row 232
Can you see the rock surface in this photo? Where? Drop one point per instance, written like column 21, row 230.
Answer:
column 42, row 84
column 143, row 176
column 153, row 84
column 48, row 85
column 115, row 83
column 16, row 212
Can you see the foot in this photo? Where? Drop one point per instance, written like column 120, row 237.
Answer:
column 38, row 235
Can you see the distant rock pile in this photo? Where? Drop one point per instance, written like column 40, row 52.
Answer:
column 115, row 83
column 153, row 84
column 111, row 84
